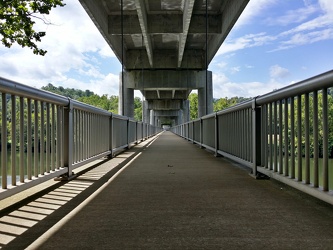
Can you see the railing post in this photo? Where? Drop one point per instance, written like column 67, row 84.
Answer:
column 193, row 132
column 256, row 138
column 216, row 134
column 201, row 133
column 128, row 131
column 136, row 132
column 4, row 141
column 111, row 136
column 68, row 141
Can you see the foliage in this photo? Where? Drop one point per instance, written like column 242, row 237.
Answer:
column 223, row 103
column 17, row 25
column 218, row 104
column 193, row 98
column 137, row 109
column 319, row 116
column 71, row 93
column 104, row 102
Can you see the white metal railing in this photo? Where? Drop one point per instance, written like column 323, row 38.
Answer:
column 286, row 134
column 44, row 135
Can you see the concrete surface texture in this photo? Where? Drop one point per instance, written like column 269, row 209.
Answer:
column 174, row 195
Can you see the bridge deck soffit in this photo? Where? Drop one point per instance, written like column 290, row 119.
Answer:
column 164, row 34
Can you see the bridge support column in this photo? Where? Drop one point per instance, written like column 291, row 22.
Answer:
column 152, row 117
column 126, row 99
column 145, row 112
column 205, row 97
column 186, row 110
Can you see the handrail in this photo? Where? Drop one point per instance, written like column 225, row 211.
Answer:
column 306, row 86
column 272, row 135
column 56, row 135
column 18, row 89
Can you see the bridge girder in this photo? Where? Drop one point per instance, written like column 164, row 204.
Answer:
column 164, row 34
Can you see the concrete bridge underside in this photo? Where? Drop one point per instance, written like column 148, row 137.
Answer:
column 165, row 47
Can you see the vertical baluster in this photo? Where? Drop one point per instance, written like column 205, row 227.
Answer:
column 275, row 138
column 240, row 126
column 89, row 134
column 36, row 158
column 251, row 138
column 4, row 141
column 80, row 125
column 52, row 128
column 84, row 128
column 21, row 139
column 271, row 136
column 315, row 140
column 307, row 139
column 325, row 141
column 299, row 138
column 29, row 140
column 48, row 138
column 76, row 126
column 292, row 137
column 42, row 138
column 263, row 136
column 286, row 140
column 280, row 137
column 13, row 137
column 59, row 137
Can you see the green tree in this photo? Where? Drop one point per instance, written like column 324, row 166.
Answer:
column 223, row 103
column 137, row 109
column 17, row 22
column 193, row 98
column 71, row 93
column 220, row 104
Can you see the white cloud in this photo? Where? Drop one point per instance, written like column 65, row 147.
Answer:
column 252, row 10
column 277, row 71
column 314, row 24
column 327, row 7
column 221, row 64
column 75, row 47
column 223, row 87
column 235, row 69
column 246, row 41
column 292, row 16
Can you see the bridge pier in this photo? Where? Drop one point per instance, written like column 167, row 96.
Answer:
column 126, row 99
column 205, row 96
column 166, row 90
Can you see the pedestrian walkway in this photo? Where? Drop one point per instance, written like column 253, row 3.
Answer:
column 174, row 195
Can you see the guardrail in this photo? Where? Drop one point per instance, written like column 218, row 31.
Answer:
column 44, row 135
column 286, row 134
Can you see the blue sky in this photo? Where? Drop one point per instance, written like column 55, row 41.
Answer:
column 274, row 43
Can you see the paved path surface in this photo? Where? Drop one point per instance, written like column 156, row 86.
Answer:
column 175, row 195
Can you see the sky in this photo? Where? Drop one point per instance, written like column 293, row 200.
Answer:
column 273, row 44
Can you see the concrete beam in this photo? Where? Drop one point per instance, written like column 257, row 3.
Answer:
column 165, row 59
column 187, row 14
column 163, row 113
column 164, row 105
column 198, row 24
column 165, row 79
column 165, row 24
column 179, row 94
column 142, row 15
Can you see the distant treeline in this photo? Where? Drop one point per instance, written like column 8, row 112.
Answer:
column 110, row 103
